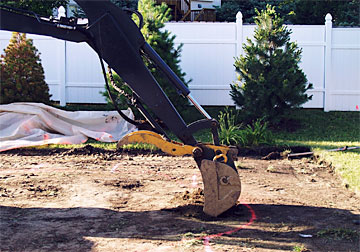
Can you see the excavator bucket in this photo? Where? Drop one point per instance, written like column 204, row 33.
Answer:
column 222, row 187
column 221, row 181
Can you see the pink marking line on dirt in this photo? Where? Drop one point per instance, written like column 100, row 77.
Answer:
column 37, row 167
column 37, row 170
column 194, row 181
column 114, row 168
column 209, row 237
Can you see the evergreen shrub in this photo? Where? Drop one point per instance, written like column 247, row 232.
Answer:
column 22, row 75
column 154, row 17
column 270, row 81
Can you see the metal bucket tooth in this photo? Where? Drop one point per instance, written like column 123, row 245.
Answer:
column 222, row 187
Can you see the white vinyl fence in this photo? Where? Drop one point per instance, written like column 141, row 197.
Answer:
column 330, row 59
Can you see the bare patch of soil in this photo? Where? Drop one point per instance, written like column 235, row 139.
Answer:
column 89, row 199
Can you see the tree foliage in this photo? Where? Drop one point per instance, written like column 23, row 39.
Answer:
column 41, row 7
column 154, row 17
column 271, row 82
column 162, row 41
column 229, row 8
column 130, row 4
column 22, row 75
column 344, row 12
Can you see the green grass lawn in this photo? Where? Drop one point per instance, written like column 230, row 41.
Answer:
column 329, row 130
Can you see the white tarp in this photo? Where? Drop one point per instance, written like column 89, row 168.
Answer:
column 34, row 124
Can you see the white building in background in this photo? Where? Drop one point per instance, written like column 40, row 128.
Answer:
column 208, row 4
column 192, row 10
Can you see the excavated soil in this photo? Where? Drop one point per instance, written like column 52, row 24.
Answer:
column 89, row 199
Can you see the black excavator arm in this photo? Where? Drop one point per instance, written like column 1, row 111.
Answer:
column 117, row 40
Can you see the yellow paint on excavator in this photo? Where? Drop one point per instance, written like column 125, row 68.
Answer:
column 170, row 147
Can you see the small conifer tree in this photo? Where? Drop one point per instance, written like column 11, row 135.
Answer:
column 271, row 82
column 22, row 75
column 163, row 43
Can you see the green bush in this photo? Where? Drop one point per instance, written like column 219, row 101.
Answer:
column 231, row 133
column 270, row 80
column 22, row 75
column 256, row 134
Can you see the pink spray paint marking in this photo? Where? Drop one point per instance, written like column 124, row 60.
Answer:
column 357, row 107
column 37, row 167
column 209, row 237
column 26, row 128
column 113, row 170
column 194, row 181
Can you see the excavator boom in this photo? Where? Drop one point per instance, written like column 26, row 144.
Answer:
column 118, row 41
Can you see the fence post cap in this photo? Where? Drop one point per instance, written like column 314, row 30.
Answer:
column 328, row 17
column 61, row 12
column 239, row 15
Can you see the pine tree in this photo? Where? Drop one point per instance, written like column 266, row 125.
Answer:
column 162, row 41
column 22, row 75
column 154, row 17
column 271, row 82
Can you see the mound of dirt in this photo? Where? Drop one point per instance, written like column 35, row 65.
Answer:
column 126, row 184
column 86, row 150
column 190, row 204
column 195, row 197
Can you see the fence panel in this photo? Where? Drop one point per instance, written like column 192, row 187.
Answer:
column 311, row 39
column 330, row 59
column 344, row 93
column 84, row 78
column 72, row 70
column 206, row 50
column 207, row 59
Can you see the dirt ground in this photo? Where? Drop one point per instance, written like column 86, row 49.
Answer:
column 92, row 200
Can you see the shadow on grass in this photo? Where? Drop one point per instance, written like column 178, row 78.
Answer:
column 277, row 227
